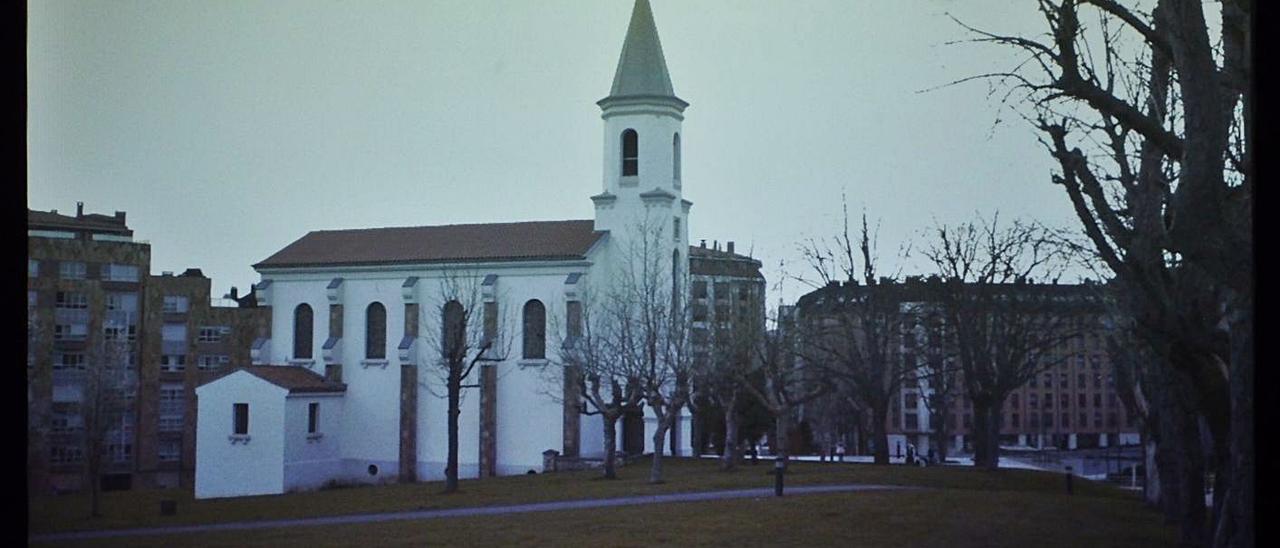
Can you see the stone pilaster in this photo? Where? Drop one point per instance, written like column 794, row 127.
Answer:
column 572, row 416
column 488, row 420
column 409, row 403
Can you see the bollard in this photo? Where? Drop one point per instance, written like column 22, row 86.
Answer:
column 1070, row 491
column 779, row 468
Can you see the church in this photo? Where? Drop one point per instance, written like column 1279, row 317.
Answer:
column 346, row 387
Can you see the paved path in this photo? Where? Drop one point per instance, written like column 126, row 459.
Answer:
column 460, row 512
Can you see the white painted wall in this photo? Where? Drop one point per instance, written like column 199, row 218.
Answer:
column 224, row 469
column 310, row 461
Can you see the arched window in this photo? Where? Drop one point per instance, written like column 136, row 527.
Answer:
column 630, row 153
column 453, row 331
column 375, row 332
column 675, row 157
column 535, row 330
column 302, row 332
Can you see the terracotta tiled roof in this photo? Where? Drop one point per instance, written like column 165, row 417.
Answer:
column 295, row 379
column 527, row 241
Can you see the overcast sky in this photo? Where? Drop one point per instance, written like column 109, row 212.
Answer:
column 228, row 129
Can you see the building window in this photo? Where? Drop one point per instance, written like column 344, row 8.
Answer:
column 909, row 400
column 675, row 284
column 120, row 333
column 241, row 416
column 375, row 332
column 212, row 333
column 1097, row 419
column 1048, row 401
column 675, row 157
column 490, row 321
column 699, row 289
column 119, row 273
column 630, row 153
column 70, row 332
column 1111, row 420
column 1097, row 400
column 208, row 362
column 65, row 454
column 573, row 320
column 173, row 363
column 1066, row 420
column 1084, row 420
column 1081, row 399
column 68, row 361
column 675, row 229
column 1032, row 382
column 1097, row 380
column 169, row 451
column 33, row 268
column 302, row 330
column 968, row 420
column 176, row 304
column 535, row 330
column 172, row 406
column 1014, row 401
column 1033, row 401
column 71, row 270
column 1080, row 382
column 1033, row 420
column 1062, row 380
column 1095, row 362
column 1064, row 400
column 72, row 300
column 911, row 421
column 313, row 417
column 1014, row 419
column 1047, row 420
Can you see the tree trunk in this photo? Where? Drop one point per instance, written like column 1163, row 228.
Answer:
column 782, row 427
column 1151, row 474
column 610, row 420
column 659, row 437
column 940, row 431
column 1236, row 528
column 991, row 424
column 729, row 458
column 95, row 487
column 982, row 457
column 455, row 397
column 880, row 434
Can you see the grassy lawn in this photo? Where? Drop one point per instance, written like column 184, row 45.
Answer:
column 989, row 509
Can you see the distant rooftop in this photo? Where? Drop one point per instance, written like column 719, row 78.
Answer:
column 81, row 222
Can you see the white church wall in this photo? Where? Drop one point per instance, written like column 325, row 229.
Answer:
column 247, row 466
column 286, row 295
column 371, row 426
column 311, row 460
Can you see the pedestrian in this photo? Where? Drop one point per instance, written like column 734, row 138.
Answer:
column 911, row 454
column 840, row 451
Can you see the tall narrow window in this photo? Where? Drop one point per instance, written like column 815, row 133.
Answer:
column 313, row 417
column 302, row 332
column 375, row 332
column 675, row 283
column 241, row 418
column 535, row 330
column 675, row 157
column 453, row 325
column 630, row 153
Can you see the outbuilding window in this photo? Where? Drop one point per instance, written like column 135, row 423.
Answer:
column 241, row 411
column 375, row 339
column 313, row 417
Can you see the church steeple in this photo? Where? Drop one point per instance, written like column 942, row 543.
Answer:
column 642, row 69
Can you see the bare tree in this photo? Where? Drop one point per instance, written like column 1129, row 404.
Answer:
column 719, row 370
column 590, row 348
column 853, row 332
column 939, row 378
column 1004, row 328
column 1163, row 189
column 789, row 379
column 459, row 343
column 106, row 404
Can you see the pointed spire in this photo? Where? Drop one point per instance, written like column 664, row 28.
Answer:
column 642, row 69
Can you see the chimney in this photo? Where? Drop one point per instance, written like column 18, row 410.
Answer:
column 715, row 245
column 79, row 209
column 120, row 216
column 704, row 243
column 235, row 293
column 728, row 246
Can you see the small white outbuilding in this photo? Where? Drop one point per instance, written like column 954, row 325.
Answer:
column 264, row 430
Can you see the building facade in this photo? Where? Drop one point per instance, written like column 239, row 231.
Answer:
column 363, row 307
column 90, row 298
column 1070, row 402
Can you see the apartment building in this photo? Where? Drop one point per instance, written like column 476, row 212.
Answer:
column 91, row 299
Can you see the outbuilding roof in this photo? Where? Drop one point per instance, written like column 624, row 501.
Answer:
column 295, row 379
column 521, row 241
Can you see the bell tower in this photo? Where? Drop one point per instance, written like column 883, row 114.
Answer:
column 642, row 148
